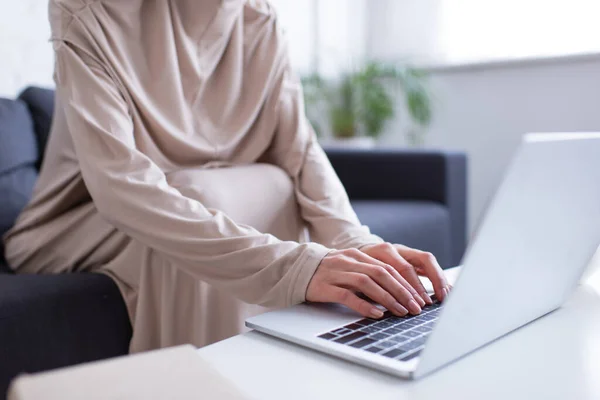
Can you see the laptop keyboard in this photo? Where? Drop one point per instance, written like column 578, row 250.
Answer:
column 400, row 338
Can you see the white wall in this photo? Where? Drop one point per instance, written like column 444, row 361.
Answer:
column 25, row 53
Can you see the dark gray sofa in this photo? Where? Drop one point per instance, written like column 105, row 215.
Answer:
column 417, row 198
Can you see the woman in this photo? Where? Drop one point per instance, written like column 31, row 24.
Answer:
column 181, row 165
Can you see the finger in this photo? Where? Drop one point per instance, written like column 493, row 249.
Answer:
column 408, row 288
column 392, row 258
column 414, row 283
column 408, row 272
column 364, row 283
column 387, row 282
column 427, row 266
column 352, row 301
column 447, row 291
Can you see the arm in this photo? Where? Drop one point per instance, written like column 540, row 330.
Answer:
column 323, row 200
column 132, row 193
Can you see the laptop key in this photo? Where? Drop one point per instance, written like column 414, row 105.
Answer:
column 396, row 320
column 363, row 343
column 393, row 330
column 387, row 344
column 411, row 355
column 413, row 345
column 341, row 331
column 353, row 327
column 366, row 321
column 404, row 326
column 420, row 340
column 398, row 339
column 370, row 329
column 374, row 349
column 383, row 324
column 423, row 329
column 327, row 336
column 350, row 337
column 380, row 336
column 393, row 353
column 411, row 334
column 408, row 347
column 410, row 322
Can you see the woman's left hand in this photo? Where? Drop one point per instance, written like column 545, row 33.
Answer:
column 409, row 264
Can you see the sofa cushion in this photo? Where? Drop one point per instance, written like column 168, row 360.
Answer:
column 41, row 106
column 18, row 156
column 419, row 224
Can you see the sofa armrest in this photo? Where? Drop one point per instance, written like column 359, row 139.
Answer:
column 4, row 269
column 398, row 174
column 52, row 321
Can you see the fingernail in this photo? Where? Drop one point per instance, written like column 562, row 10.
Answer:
column 414, row 307
column 426, row 297
column 445, row 293
column 419, row 300
column 376, row 313
column 400, row 310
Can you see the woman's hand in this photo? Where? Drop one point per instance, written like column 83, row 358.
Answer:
column 410, row 263
column 343, row 273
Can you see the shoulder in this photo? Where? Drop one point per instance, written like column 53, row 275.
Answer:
column 68, row 34
column 63, row 13
column 68, row 8
column 259, row 12
column 259, row 6
column 261, row 22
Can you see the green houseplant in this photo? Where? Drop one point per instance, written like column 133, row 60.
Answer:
column 361, row 102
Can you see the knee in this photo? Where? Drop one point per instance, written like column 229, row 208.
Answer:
column 218, row 187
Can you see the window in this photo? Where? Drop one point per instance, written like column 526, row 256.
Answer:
column 474, row 30
column 298, row 20
column 324, row 35
column 464, row 31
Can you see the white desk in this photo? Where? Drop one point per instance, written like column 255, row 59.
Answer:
column 556, row 357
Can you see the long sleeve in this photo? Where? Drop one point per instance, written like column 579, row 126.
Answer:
column 323, row 200
column 132, row 193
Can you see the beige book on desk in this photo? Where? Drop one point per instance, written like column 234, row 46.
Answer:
column 174, row 373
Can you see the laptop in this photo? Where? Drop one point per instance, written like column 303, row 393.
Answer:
column 538, row 235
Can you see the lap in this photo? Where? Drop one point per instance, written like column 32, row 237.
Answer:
column 258, row 195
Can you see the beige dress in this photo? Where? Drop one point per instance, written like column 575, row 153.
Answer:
column 181, row 164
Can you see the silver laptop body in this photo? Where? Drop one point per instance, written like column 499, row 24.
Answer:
column 538, row 235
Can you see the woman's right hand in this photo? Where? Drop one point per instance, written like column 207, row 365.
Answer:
column 343, row 273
